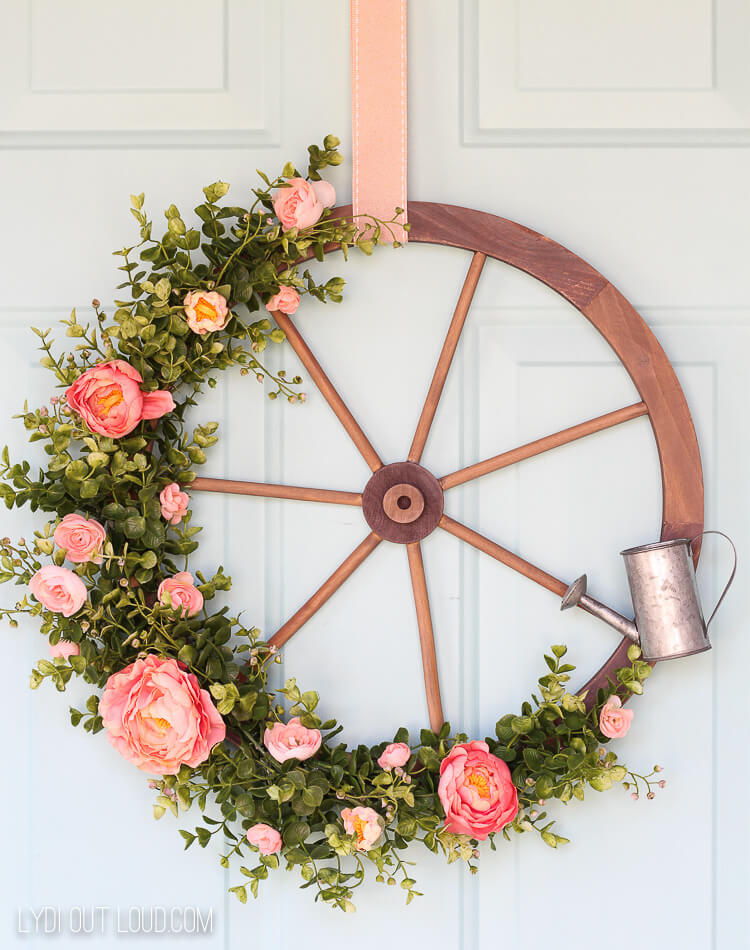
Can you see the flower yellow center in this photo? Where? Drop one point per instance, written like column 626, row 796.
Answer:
column 106, row 403
column 163, row 725
column 359, row 828
column 206, row 311
column 480, row 782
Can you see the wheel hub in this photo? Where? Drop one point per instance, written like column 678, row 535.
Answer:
column 402, row 502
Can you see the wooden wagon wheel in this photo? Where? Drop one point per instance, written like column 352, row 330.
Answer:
column 403, row 502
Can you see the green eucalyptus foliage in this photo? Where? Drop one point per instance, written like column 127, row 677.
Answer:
column 553, row 746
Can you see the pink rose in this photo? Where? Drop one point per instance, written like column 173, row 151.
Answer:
column 81, row 538
column 64, row 649
column 394, row 755
column 365, row 823
column 182, row 592
column 286, row 300
column 476, row 791
column 291, row 740
column 205, row 311
column 108, row 398
column 174, row 503
column 265, row 838
column 157, row 716
column 58, row 589
column 614, row 721
column 302, row 203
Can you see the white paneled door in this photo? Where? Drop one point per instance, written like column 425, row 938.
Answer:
column 619, row 129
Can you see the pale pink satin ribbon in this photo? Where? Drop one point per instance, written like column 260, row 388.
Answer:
column 378, row 35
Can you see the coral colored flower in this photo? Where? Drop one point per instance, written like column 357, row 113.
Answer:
column 205, row 311
column 291, row 740
column 58, row 589
column 365, row 823
column 82, row 538
column 614, row 721
column 265, row 838
column 109, row 399
column 157, row 716
column 64, row 649
column 174, row 503
column 182, row 593
column 394, row 755
column 476, row 791
column 286, row 300
column 301, row 204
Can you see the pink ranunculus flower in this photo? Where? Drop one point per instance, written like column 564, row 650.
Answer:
column 109, row 399
column 476, row 791
column 82, row 538
column 64, row 649
column 174, row 503
column 182, row 593
column 286, row 300
column 291, row 740
column 265, row 838
column 206, row 311
column 157, row 716
column 58, row 589
column 301, row 204
column 365, row 823
column 614, row 721
column 394, row 755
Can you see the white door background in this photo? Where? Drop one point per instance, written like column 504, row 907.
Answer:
column 619, row 129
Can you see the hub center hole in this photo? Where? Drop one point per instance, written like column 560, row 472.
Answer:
column 404, row 502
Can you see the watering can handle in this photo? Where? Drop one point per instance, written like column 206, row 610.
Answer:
column 731, row 576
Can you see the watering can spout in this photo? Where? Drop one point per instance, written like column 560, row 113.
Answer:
column 576, row 596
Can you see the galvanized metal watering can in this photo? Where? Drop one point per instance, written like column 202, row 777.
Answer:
column 669, row 621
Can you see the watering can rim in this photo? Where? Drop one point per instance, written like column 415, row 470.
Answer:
column 656, row 545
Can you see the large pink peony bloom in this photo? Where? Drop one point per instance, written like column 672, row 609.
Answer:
column 109, row 399
column 174, row 503
column 301, row 204
column 291, row 740
column 476, row 791
column 286, row 300
column 157, row 716
column 81, row 538
column 614, row 721
column 394, row 756
column 206, row 311
column 266, row 839
column 58, row 589
column 182, row 593
column 365, row 823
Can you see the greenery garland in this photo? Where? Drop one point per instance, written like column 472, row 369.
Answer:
column 186, row 691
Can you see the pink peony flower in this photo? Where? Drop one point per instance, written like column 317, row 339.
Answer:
column 302, row 203
column 82, row 539
column 291, row 740
column 205, row 311
column 286, row 300
column 182, row 593
column 64, row 649
column 365, row 823
column 109, row 399
column 157, row 716
column 58, row 589
column 476, row 791
column 174, row 503
column 394, row 755
column 614, row 721
column 265, row 838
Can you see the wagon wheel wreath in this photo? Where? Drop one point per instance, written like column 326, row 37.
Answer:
column 184, row 691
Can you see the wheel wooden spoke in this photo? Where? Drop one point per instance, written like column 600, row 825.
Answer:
column 446, row 357
column 325, row 591
column 503, row 555
column 276, row 491
column 328, row 391
column 426, row 636
column 527, row 451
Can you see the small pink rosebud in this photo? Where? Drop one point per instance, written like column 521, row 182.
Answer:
column 634, row 796
column 650, row 795
column 662, row 784
column 542, row 802
column 533, row 814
